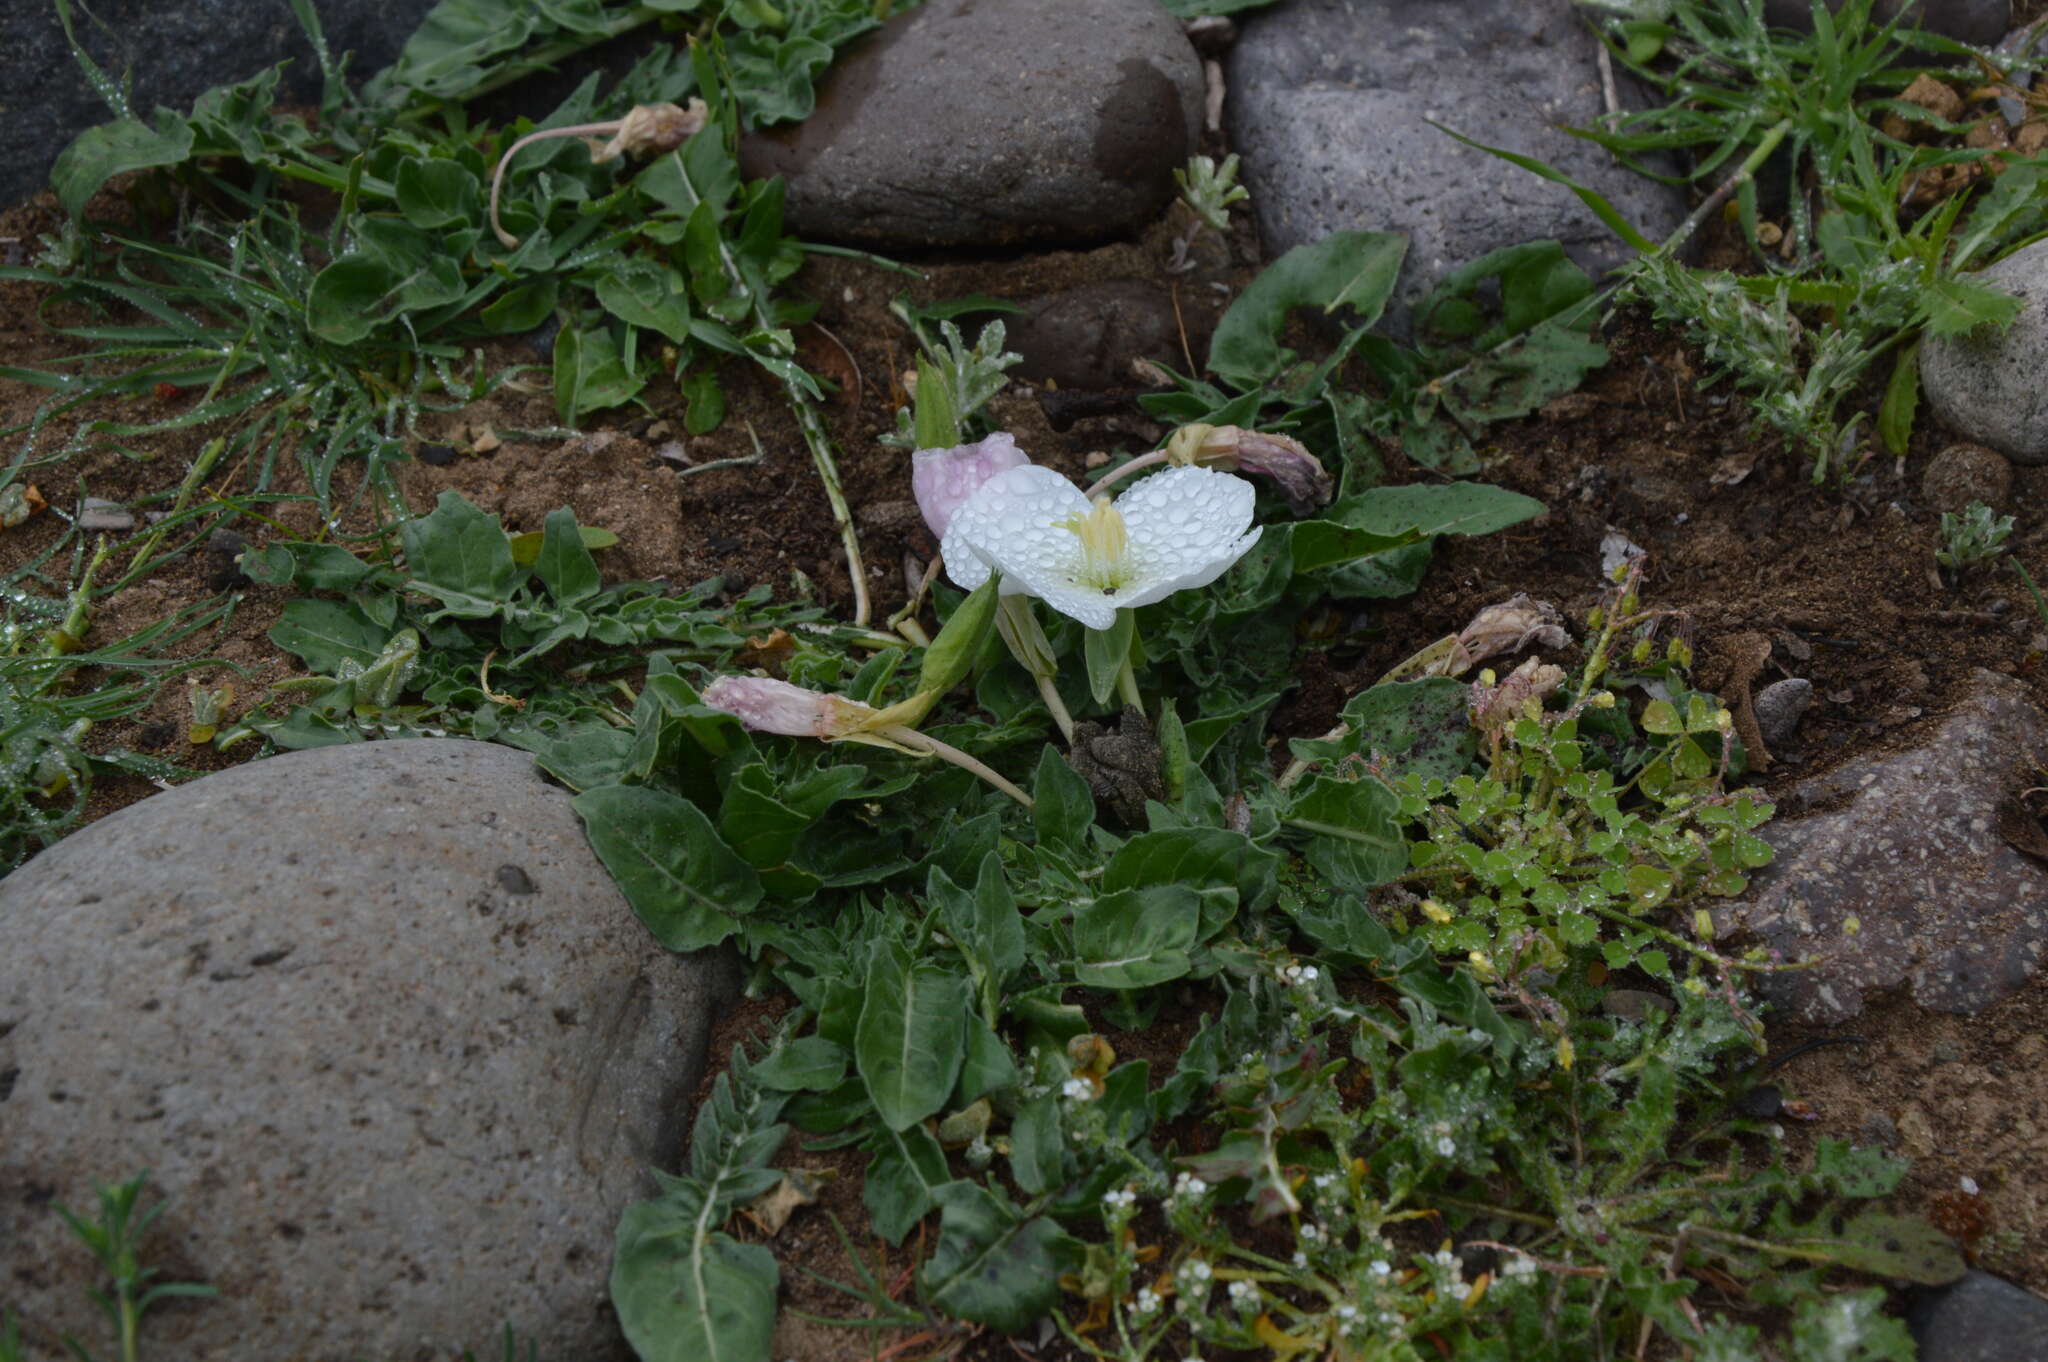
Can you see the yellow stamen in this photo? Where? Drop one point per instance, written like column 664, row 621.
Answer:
column 1105, row 546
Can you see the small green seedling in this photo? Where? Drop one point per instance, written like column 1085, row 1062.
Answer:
column 116, row 1240
column 1208, row 189
column 1971, row 537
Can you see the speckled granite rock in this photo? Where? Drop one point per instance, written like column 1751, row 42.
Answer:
column 1981, row 1318
column 387, row 1036
column 1969, row 21
column 178, row 49
column 993, row 122
column 1909, row 846
column 1986, row 384
column 1331, row 104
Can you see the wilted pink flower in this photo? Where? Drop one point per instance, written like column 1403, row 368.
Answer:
column 769, row 706
column 943, row 479
column 1299, row 475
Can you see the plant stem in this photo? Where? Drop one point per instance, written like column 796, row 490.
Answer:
column 910, row 737
column 1127, row 685
column 1121, row 471
column 816, row 438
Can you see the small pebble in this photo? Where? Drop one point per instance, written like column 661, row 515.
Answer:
column 1780, row 706
column 1963, row 473
column 97, row 513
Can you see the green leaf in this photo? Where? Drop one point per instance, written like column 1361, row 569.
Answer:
column 1197, row 858
column 992, row 1266
column 684, row 1297
column 935, row 411
column 904, row 1169
column 347, row 299
column 1345, row 269
column 522, row 308
column 458, row 555
column 1903, row 1248
column 565, row 566
column 645, row 294
column 985, row 922
column 1355, row 840
column 909, row 1042
column 1901, row 402
column 1106, row 651
column 989, row 1066
column 1036, row 1148
column 436, row 192
column 590, row 374
column 810, row 1064
column 1134, row 938
column 1063, row 808
column 1956, row 306
column 98, row 154
column 1435, row 508
column 1423, row 724
column 685, row 883
column 325, row 634
column 952, row 654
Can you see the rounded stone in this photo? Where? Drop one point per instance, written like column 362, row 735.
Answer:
column 1961, row 474
column 393, row 1046
column 993, row 123
column 177, row 50
column 1780, row 706
column 1967, row 21
column 1335, row 106
column 1986, row 384
column 1087, row 337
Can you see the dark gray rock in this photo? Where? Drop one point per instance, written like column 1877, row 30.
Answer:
column 1780, row 706
column 993, row 122
column 1911, row 847
column 1961, row 474
column 1086, row 337
column 1331, row 104
column 177, row 49
column 385, row 1032
column 1981, row 1318
column 1969, row 21
column 1986, row 384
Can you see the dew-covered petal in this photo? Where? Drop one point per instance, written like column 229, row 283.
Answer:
column 943, row 479
column 1014, row 524
column 1186, row 527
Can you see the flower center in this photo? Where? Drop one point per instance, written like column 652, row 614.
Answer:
column 1105, row 547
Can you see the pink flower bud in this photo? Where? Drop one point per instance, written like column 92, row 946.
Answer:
column 770, row 706
column 943, row 479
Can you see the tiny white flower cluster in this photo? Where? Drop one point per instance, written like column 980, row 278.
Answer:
column 1382, row 1268
column 1520, row 1265
column 1446, row 1146
column 1300, row 976
column 1323, row 1182
column 1311, row 1231
column 1197, row 1272
column 1148, row 1301
column 1078, row 1090
column 1119, row 1199
column 1244, row 1295
column 1188, row 1187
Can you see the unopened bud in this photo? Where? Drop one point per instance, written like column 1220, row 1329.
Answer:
column 651, row 129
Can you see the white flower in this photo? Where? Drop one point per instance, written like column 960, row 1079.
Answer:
column 1381, row 1267
column 1176, row 530
column 1446, row 1146
column 1078, row 1090
column 1242, row 1294
column 1148, row 1301
column 1197, row 1270
column 1124, row 1198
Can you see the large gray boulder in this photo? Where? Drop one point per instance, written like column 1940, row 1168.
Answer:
column 382, row 1029
column 177, row 50
column 993, row 123
column 1911, row 869
column 1331, row 103
column 1986, row 384
column 1981, row 1318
